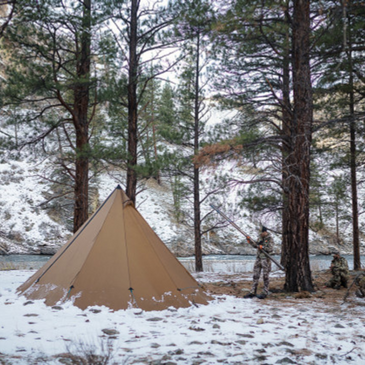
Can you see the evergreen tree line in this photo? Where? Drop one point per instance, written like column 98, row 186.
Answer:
column 131, row 84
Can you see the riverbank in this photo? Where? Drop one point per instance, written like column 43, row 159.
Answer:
column 211, row 263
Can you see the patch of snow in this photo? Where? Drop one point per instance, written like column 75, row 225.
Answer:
column 227, row 330
column 21, row 196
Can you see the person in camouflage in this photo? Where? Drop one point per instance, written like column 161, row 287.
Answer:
column 339, row 270
column 265, row 242
column 360, row 283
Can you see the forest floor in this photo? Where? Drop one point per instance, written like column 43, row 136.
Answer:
column 235, row 286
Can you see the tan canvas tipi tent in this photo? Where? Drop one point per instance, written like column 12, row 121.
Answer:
column 115, row 259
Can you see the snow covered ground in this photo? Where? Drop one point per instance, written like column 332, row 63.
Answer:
column 228, row 330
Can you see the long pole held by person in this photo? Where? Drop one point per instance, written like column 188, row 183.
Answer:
column 249, row 239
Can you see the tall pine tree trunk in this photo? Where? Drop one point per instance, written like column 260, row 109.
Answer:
column 286, row 115
column 132, row 106
column 355, row 212
column 81, row 123
column 297, row 266
column 353, row 159
column 197, row 220
column 337, row 223
column 154, row 138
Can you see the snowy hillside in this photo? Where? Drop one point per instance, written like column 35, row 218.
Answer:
column 29, row 227
column 30, row 223
column 23, row 219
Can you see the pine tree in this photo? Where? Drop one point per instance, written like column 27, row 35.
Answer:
column 342, row 89
column 167, row 114
column 338, row 200
column 265, row 51
column 193, row 26
column 149, row 167
column 50, row 75
column 142, row 39
column 254, row 76
column 297, row 266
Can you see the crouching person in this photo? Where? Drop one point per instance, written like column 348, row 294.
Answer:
column 340, row 272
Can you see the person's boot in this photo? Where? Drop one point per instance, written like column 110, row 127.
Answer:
column 261, row 296
column 337, row 287
column 359, row 293
column 249, row 295
column 345, row 284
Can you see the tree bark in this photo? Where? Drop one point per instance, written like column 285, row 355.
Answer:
column 81, row 123
column 353, row 159
column 355, row 211
column 132, row 106
column 297, row 266
column 286, row 117
column 337, row 222
column 197, row 220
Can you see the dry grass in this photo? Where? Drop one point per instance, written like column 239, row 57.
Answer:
column 8, row 265
column 82, row 353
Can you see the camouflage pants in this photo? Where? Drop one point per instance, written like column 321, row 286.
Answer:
column 360, row 283
column 337, row 280
column 263, row 264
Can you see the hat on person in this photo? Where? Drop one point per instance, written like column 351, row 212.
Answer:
column 264, row 229
column 335, row 251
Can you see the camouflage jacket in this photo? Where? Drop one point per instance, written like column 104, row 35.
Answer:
column 267, row 245
column 339, row 266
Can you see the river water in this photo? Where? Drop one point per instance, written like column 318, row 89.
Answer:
column 244, row 263
column 229, row 264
